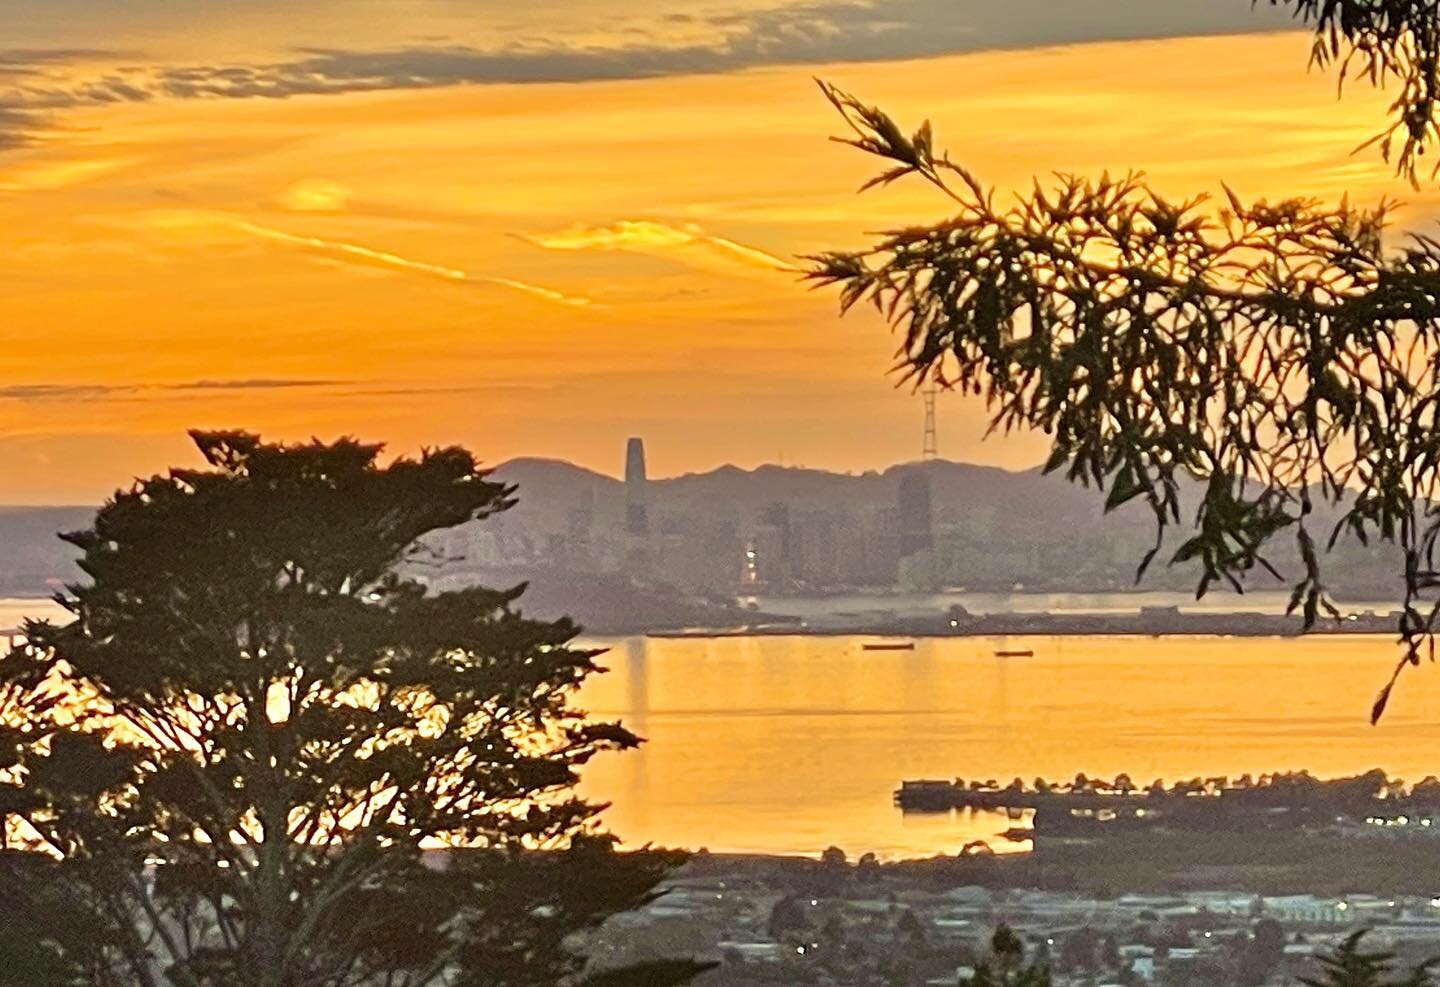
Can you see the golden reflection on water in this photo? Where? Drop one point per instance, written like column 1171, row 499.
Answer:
column 792, row 744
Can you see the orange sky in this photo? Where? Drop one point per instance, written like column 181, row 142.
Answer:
column 547, row 269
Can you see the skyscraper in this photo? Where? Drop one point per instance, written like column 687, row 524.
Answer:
column 637, row 515
column 916, row 523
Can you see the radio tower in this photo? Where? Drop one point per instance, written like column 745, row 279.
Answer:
column 930, row 448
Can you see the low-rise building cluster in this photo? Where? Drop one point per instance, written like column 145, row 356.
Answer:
column 840, row 925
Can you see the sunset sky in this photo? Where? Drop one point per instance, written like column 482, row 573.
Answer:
column 539, row 228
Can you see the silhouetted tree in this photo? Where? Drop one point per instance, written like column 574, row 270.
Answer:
column 30, row 959
column 787, row 917
column 1350, row 966
column 1268, row 356
column 909, row 928
column 1078, row 949
column 655, row 973
column 1006, row 966
column 232, row 758
column 1385, row 41
column 833, row 933
column 1261, row 954
column 1427, row 790
column 1109, row 952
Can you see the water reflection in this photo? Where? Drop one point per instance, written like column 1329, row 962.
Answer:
column 789, row 745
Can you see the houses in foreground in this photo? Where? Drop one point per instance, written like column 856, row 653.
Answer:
column 855, row 926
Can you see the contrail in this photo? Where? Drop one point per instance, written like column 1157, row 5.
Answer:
column 647, row 236
column 384, row 258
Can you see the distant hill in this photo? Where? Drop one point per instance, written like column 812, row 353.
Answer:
column 32, row 558
column 1014, row 526
column 1010, row 527
column 549, row 490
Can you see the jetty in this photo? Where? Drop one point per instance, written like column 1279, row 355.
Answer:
column 1371, row 802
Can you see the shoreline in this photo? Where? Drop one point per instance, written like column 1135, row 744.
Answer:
column 1169, row 623
column 1269, row 864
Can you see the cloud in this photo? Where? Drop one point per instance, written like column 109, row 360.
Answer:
column 255, row 384
column 368, row 256
column 315, row 195
column 647, row 237
column 36, row 82
column 27, row 57
column 17, row 127
column 96, row 392
column 819, row 31
column 808, row 32
column 61, row 174
column 351, row 251
column 61, row 392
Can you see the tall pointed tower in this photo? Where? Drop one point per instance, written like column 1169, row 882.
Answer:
column 637, row 516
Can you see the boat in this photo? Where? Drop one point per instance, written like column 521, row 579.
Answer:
column 1019, row 653
column 889, row 646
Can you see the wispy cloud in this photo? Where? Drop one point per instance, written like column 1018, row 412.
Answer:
column 95, row 392
column 254, row 384
column 60, row 174
column 315, row 195
column 811, row 32
column 818, row 31
column 648, row 237
column 61, row 392
column 368, row 256
column 351, row 251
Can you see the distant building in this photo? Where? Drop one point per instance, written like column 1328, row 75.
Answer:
column 815, row 547
column 771, row 544
column 637, row 512
column 872, row 558
column 916, row 516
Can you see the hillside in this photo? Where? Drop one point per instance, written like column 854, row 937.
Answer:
column 1001, row 527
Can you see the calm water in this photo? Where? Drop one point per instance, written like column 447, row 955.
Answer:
column 792, row 744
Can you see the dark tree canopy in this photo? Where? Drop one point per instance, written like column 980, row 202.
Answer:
column 232, row 765
column 1233, row 367
column 1351, row 965
column 1006, row 965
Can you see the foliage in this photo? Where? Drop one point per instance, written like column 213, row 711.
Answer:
column 1262, row 359
column 1261, row 953
column 1384, row 41
column 27, row 959
column 658, row 973
column 1350, row 966
column 1006, row 966
column 227, row 768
